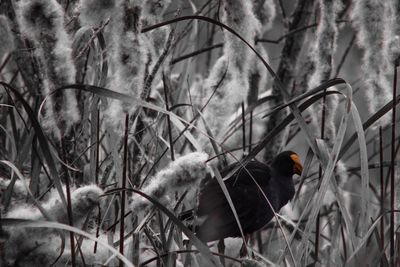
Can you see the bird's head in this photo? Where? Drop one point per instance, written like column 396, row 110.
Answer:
column 288, row 163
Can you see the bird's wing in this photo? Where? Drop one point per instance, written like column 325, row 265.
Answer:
column 211, row 195
column 219, row 220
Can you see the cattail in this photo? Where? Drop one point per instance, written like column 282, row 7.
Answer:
column 83, row 200
column 229, row 77
column 257, row 76
column 128, row 58
column 240, row 17
column 370, row 21
column 322, row 56
column 217, row 89
column 158, row 42
column 43, row 22
column 184, row 173
column 40, row 247
column 7, row 39
column 391, row 40
column 94, row 12
column 265, row 11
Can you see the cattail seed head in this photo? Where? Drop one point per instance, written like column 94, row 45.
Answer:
column 43, row 22
column 184, row 173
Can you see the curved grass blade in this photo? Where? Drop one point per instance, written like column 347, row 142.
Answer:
column 22, row 178
column 364, row 168
column 229, row 199
column 335, row 189
column 286, row 121
column 364, row 240
column 44, row 146
column 375, row 117
column 333, row 158
column 307, row 165
column 319, row 88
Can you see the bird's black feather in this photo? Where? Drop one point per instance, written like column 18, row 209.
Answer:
column 248, row 188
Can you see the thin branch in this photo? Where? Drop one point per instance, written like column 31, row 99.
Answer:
column 292, row 32
column 195, row 53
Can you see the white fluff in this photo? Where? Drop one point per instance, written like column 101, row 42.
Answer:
column 322, row 54
column 185, row 173
column 43, row 22
column 373, row 22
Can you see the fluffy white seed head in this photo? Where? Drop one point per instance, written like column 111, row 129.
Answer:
column 232, row 68
column 265, row 11
column 391, row 40
column 43, row 22
column 373, row 21
column 83, row 200
column 240, row 17
column 216, row 92
column 40, row 247
column 322, row 54
column 128, row 58
column 185, row 173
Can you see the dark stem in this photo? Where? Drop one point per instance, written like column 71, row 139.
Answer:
column 98, row 228
column 123, row 192
column 392, row 180
column 221, row 250
column 209, row 44
column 69, row 204
column 382, row 200
column 344, row 243
column 243, row 129
column 4, row 63
column 251, row 131
column 317, row 226
column 195, row 53
column 171, row 142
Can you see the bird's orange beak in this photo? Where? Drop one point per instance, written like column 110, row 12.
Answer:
column 298, row 168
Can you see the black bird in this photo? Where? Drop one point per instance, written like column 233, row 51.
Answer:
column 214, row 217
